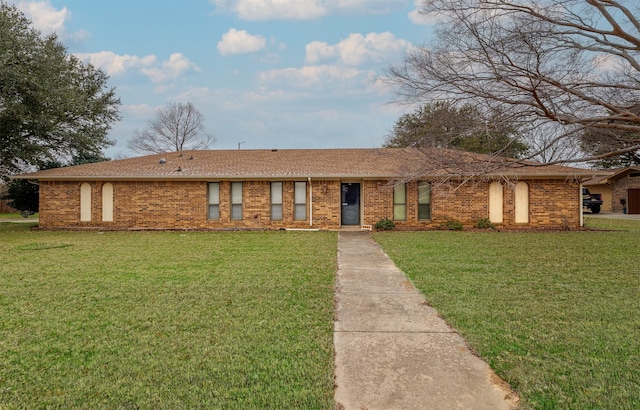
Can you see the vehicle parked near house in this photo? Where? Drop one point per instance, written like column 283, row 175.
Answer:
column 591, row 201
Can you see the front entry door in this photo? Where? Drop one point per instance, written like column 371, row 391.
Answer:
column 350, row 203
column 634, row 201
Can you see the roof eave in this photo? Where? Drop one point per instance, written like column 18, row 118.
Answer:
column 554, row 175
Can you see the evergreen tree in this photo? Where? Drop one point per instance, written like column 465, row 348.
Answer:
column 52, row 106
column 441, row 124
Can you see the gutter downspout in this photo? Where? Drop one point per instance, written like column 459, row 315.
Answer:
column 311, row 202
column 581, row 208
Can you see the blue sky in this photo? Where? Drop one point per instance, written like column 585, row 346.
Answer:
column 264, row 73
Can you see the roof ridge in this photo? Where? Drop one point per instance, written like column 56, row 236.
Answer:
column 382, row 162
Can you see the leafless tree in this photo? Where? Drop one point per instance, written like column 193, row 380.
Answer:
column 572, row 64
column 175, row 127
column 549, row 143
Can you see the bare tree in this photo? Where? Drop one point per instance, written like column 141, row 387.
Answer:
column 549, row 143
column 597, row 141
column 574, row 64
column 175, row 127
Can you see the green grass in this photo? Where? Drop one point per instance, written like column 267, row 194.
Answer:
column 16, row 216
column 166, row 319
column 556, row 314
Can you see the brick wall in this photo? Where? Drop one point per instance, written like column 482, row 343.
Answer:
column 59, row 204
column 619, row 191
column 326, row 204
column 552, row 203
column 184, row 205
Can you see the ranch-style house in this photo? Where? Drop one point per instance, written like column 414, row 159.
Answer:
column 327, row 189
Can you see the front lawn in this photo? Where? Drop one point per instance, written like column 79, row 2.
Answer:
column 17, row 216
column 556, row 314
column 166, row 319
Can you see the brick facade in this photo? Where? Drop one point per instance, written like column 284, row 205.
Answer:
column 620, row 189
column 553, row 203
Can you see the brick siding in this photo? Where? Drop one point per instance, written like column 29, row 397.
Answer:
column 619, row 190
column 553, row 203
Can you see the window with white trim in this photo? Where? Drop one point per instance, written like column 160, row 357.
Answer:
column 276, row 201
column 214, row 201
column 300, row 201
column 522, row 203
column 107, row 202
column 400, row 202
column 85, row 202
column 236, row 201
column 496, row 195
column 424, row 200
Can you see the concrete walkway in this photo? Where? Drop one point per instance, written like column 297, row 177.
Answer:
column 392, row 350
column 21, row 220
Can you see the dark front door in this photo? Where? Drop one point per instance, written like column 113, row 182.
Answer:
column 634, row 201
column 350, row 203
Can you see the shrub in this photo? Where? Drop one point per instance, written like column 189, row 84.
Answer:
column 385, row 225
column 484, row 223
column 453, row 225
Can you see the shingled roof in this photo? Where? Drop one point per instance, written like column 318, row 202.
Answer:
column 391, row 163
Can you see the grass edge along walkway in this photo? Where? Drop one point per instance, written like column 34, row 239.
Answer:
column 555, row 314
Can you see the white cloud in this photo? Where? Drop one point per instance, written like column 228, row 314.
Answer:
column 114, row 64
column 367, row 6
column 358, row 49
column 264, row 95
column 273, row 9
column 304, row 9
column 171, row 69
column 44, row 16
column 418, row 17
column 319, row 77
column 608, row 63
column 48, row 20
column 139, row 110
column 320, row 51
column 196, row 94
column 240, row 42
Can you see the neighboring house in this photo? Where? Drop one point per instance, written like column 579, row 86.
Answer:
column 6, row 209
column 625, row 184
column 309, row 189
column 4, row 203
column 619, row 184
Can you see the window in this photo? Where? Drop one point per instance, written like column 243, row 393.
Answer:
column 276, row 201
column 300, row 201
column 522, row 202
column 496, row 194
column 400, row 202
column 424, row 200
column 214, row 200
column 236, row 201
column 107, row 202
column 85, row 202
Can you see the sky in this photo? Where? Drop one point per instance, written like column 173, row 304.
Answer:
column 265, row 74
